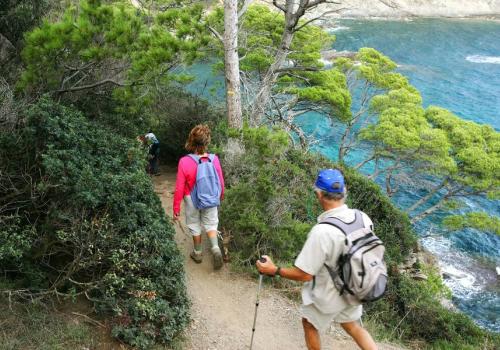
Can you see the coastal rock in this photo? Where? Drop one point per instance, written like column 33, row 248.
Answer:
column 330, row 55
column 418, row 275
column 446, row 276
column 412, row 8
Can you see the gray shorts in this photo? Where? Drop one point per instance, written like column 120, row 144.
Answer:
column 322, row 321
column 200, row 219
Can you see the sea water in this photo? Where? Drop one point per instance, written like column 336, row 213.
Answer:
column 456, row 65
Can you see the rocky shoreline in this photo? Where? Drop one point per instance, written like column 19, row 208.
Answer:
column 408, row 9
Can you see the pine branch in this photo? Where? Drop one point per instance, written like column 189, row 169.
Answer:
column 91, row 86
column 244, row 8
column 216, row 34
column 275, row 3
column 317, row 18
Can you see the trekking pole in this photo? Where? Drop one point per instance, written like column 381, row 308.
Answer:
column 263, row 260
column 181, row 226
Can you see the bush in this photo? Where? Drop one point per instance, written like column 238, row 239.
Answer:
column 174, row 115
column 90, row 223
column 270, row 206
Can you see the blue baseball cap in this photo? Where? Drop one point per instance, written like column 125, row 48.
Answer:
column 330, row 180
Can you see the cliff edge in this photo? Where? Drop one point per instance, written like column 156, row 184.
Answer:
column 419, row 8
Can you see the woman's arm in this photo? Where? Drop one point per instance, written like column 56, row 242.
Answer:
column 180, row 184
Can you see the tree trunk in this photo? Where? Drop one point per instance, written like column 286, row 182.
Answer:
column 343, row 147
column 263, row 97
column 359, row 165
column 429, row 211
column 232, row 64
column 427, row 197
column 262, row 100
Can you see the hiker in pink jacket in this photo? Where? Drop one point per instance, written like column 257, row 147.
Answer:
column 198, row 219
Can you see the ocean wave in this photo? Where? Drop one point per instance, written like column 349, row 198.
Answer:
column 483, row 59
column 460, row 280
column 338, row 29
column 459, row 271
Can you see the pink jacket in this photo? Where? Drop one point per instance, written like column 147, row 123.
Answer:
column 186, row 178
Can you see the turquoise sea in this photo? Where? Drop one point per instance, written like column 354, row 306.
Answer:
column 456, row 65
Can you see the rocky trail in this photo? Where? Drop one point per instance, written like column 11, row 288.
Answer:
column 223, row 302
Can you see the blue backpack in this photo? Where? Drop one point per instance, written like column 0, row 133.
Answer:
column 207, row 188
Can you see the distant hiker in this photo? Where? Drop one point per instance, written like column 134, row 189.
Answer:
column 322, row 301
column 201, row 183
column 154, row 152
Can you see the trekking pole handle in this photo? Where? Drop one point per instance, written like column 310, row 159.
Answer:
column 262, row 260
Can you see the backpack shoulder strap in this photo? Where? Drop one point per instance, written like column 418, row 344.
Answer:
column 346, row 227
column 194, row 157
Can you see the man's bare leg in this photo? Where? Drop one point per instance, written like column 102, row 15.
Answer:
column 360, row 335
column 311, row 334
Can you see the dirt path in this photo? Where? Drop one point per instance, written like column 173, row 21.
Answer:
column 223, row 303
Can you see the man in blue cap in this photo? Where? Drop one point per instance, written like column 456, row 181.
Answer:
column 321, row 301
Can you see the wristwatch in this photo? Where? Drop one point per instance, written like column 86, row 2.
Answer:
column 277, row 272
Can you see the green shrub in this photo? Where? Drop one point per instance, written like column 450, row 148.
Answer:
column 174, row 116
column 270, row 206
column 90, row 222
column 425, row 318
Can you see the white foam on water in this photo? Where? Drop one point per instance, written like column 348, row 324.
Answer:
column 327, row 63
column 455, row 265
column 460, row 280
column 483, row 59
column 337, row 29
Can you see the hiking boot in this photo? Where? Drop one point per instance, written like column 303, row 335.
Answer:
column 217, row 257
column 196, row 256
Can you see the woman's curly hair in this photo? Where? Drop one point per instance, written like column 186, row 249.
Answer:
column 198, row 139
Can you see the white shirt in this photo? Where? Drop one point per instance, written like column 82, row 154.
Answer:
column 324, row 245
column 151, row 136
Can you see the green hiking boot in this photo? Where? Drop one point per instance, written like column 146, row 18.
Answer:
column 217, row 258
column 196, row 256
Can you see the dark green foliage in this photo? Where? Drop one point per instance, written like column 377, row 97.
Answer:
column 174, row 115
column 112, row 60
column 263, row 186
column 91, row 222
column 16, row 17
column 426, row 318
column 270, row 207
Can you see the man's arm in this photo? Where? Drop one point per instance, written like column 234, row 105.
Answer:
column 291, row 273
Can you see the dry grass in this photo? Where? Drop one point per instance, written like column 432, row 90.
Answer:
column 62, row 326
